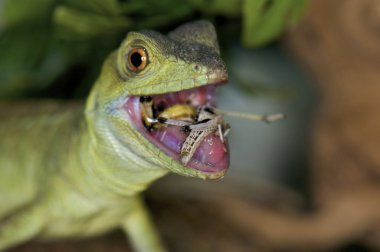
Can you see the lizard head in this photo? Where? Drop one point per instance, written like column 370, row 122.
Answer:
column 183, row 67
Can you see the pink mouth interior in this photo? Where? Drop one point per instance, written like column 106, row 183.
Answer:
column 212, row 154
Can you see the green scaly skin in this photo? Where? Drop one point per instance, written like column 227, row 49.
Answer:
column 68, row 173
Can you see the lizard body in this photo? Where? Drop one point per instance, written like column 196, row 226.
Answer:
column 76, row 170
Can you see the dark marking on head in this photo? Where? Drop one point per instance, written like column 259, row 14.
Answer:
column 198, row 32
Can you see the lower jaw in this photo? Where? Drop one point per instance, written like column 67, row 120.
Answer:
column 209, row 157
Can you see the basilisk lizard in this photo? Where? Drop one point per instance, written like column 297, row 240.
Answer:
column 73, row 170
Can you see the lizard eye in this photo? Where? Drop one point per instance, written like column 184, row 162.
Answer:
column 137, row 59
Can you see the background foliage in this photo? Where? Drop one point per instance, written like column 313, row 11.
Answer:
column 54, row 48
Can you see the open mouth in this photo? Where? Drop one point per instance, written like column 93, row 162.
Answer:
column 203, row 138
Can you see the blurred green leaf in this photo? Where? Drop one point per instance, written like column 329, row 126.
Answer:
column 265, row 20
column 83, row 24
column 19, row 62
column 17, row 12
column 105, row 7
column 218, row 7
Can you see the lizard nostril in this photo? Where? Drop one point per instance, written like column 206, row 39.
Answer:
column 196, row 68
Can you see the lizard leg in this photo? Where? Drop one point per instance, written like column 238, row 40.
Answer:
column 141, row 231
column 21, row 226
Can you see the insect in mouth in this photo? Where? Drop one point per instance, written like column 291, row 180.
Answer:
column 177, row 114
column 198, row 123
column 208, row 122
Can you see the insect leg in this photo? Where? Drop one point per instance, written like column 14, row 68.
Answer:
column 221, row 135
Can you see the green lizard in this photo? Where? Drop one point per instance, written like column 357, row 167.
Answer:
column 69, row 170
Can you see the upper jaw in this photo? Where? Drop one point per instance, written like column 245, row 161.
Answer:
column 170, row 86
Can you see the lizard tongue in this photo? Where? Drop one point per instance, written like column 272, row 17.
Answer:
column 210, row 156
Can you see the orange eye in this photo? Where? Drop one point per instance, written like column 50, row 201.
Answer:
column 137, row 59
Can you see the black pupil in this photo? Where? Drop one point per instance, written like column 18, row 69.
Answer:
column 136, row 59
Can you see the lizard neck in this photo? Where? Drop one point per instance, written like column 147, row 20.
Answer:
column 105, row 167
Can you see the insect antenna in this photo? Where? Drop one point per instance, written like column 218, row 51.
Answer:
column 255, row 117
